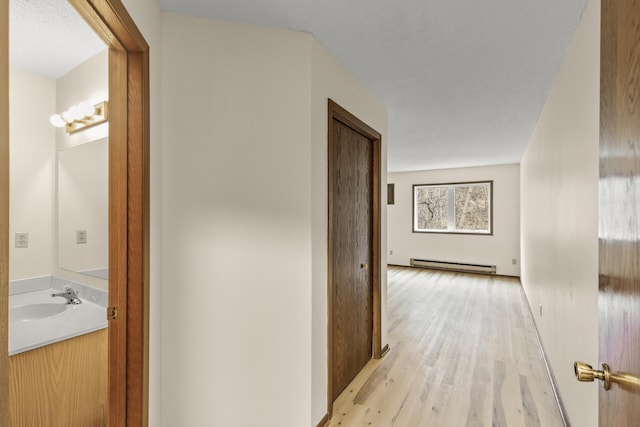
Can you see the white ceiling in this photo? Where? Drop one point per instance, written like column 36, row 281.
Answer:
column 464, row 80
column 49, row 38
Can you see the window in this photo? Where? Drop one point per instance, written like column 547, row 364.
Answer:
column 464, row 207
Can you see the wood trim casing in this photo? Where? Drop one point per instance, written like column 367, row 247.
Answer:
column 336, row 112
column 117, row 242
column 128, row 208
column 4, row 213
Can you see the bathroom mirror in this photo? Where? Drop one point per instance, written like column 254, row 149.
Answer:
column 56, row 62
column 83, row 216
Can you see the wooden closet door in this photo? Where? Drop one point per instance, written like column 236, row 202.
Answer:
column 351, row 245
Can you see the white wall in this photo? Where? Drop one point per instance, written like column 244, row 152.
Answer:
column 499, row 249
column 331, row 80
column 236, row 317
column 559, row 187
column 32, row 152
column 245, row 214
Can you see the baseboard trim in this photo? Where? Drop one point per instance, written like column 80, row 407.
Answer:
column 324, row 421
column 552, row 377
column 452, row 271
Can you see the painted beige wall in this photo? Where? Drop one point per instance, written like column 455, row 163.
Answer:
column 330, row 79
column 559, row 188
column 32, row 147
column 499, row 249
column 245, row 214
column 236, row 315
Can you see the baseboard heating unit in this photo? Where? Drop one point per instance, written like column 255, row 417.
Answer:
column 453, row 266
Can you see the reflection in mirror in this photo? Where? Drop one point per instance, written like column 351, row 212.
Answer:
column 56, row 62
column 83, row 197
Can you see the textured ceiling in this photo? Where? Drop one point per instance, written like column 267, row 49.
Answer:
column 464, row 80
column 49, row 38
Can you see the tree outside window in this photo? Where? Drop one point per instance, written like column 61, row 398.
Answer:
column 453, row 208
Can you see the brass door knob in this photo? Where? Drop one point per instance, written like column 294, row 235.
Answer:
column 364, row 266
column 625, row 381
column 584, row 372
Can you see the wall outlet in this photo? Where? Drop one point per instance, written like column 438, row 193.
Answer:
column 540, row 307
column 81, row 237
column 390, row 252
column 514, row 261
column 22, row 240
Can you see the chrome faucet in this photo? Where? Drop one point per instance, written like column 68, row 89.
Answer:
column 69, row 294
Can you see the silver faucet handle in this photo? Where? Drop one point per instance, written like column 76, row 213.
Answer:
column 70, row 295
column 70, row 291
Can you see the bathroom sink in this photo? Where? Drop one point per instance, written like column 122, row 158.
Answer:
column 30, row 312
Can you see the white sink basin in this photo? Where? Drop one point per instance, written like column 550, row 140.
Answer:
column 30, row 312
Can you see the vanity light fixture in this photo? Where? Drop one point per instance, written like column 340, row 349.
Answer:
column 81, row 116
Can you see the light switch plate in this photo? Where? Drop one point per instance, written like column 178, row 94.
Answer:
column 22, row 240
column 81, row 237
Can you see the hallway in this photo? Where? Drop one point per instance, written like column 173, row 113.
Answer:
column 463, row 353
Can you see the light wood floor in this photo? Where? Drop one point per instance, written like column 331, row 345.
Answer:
column 463, row 353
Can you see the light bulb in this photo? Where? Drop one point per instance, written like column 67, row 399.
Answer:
column 87, row 109
column 57, row 121
column 76, row 112
column 67, row 117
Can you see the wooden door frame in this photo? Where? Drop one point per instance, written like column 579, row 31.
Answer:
column 336, row 112
column 128, row 209
column 4, row 213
